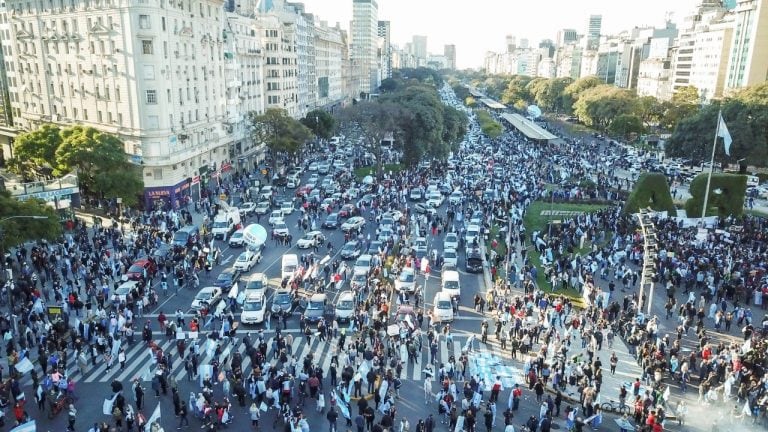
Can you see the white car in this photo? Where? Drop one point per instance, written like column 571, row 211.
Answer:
column 455, row 197
column 207, row 297
column 442, row 310
column 435, row 199
column 293, row 183
column 328, row 202
column 246, row 208
column 262, row 208
column 415, row 194
column 450, row 257
column 237, row 239
column 395, row 214
column 451, row 241
column 280, row 228
column 286, row 208
column 406, row 281
column 275, row 217
column 473, row 233
column 362, row 265
column 311, row 239
column 254, row 309
column 355, row 222
column 312, row 167
column 247, row 260
column 420, row 245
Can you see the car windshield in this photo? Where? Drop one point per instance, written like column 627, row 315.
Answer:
column 290, row 268
column 314, row 305
column 406, row 277
column 225, row 277
column 443, row 304
column 451, row 284
column 220, row 224
column 282, row 298
column 363, row 263
column 136, row 269
column 180, row 236
column 308, row 237
column 254, row 285
column 237, row 235
column 243, row 257
column 203, row 295
column 252, row 305
column 332, row 217
column 345, row 304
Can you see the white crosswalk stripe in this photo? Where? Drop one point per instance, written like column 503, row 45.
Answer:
column 139, row 358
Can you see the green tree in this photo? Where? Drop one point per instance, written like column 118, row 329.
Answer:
column 320, row 122
column 375, row 119
column 747, row 123
column 626, row 124
column 422, row 126
column 516, row 90
column 19, row 230
column 574, row 90
column 388, row 85
column 97, row 156
column 684, row 103
column 36, row 149
column 470, row 102
column 754, row 95
column 280, row 132
column 599, row 106
column 454, row 128
column 550, row 94
column 649, row 109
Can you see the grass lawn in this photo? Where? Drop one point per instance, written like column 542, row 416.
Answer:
column 534, row 221
column 756, row 213
column 360, row 173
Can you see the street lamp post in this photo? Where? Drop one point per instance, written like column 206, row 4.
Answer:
column 9, row 271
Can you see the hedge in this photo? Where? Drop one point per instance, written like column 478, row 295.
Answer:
column 726, row 195
column 651, row 190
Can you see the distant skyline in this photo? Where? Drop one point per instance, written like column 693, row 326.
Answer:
column 482, row 25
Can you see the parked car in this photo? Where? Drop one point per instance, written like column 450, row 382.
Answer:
column 353, row 223
column 226, row 279
column 206, row 298
column 311, row 239
column 142, row 269
column 247, row 260
column 351, row 250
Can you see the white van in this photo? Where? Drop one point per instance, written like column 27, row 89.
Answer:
column 290, row 264
column 442, row 311
column 451, row 283
column 345, row 306
column 254, row 308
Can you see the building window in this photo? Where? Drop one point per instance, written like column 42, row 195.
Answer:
column 151, row 97
column 157, row 173
column 144, row 22
column 146, row 47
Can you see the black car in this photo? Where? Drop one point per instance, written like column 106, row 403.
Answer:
column 474, row 263
column 351, row 250
column 332, row 221
column 226, row 279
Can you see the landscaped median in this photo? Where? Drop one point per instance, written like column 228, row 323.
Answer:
column 537, row 218
column 361, row 173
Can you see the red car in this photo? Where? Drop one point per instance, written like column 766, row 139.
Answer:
column 136, row 270
column 300, row 192
column 347, row 211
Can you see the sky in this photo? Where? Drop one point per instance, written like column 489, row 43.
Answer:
column 477, row 26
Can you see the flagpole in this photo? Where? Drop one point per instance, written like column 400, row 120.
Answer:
column 711, row 167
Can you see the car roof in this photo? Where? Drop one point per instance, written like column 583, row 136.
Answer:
column 318, row 297
column 442, row 295
column 345, row 294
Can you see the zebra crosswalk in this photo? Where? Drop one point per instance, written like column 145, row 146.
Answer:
column 139, row 358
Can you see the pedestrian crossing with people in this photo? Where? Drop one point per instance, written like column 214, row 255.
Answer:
column 140, row 358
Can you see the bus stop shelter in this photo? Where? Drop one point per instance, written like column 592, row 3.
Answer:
column 529, row 128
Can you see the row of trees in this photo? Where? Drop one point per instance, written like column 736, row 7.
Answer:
column 621, row 113
column 98, row 158
column 408, row 107
column 488, row 125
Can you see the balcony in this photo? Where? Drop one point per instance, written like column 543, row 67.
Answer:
column 234, row 83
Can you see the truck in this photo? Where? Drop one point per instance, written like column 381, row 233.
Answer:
column 226, row 222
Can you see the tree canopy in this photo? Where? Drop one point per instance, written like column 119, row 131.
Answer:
column 280, row 132
column 98, row 157
column 375, row 119
column 320, row 122
column 14, row 231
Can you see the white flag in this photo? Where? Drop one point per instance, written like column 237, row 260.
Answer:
column 722, row 132
column 155, row 417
